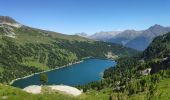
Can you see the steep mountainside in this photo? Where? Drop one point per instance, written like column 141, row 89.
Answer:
column 142, row 41
column 139, row 77
column 25, row 50
column 159, row 48
column 125, row 37
column 131, row 38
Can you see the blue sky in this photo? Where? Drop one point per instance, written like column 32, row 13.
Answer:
column 90, row 16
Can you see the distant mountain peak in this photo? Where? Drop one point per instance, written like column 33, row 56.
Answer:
column 82, row 34
column 129, row 30
column 9, row 21
column 104, row 35
column 132, row 38
column 156, row 26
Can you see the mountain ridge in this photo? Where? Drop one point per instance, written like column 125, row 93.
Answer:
column 9, row 21
column 132, row 38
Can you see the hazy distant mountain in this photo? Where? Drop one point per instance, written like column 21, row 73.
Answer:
column 82, row 34
column 131, row 38
column 125, row 36
column 142, row 41
column 119, row 37
column 104, row 36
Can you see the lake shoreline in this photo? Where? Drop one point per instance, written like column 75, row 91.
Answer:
column 82, row 60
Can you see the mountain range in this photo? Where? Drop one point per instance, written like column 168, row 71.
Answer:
column 131, row 38
column 126, row 80
column 25, row 50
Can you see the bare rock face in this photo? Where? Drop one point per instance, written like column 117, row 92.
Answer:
column 8, row 25
column 6, row 19
column 9, row 21
column 7, row 31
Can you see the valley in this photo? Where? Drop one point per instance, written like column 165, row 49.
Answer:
column 34, row 50
column 84, row 50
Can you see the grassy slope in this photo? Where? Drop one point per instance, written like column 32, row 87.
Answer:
column 32, row 35
column 162, row 92
column 12, row 93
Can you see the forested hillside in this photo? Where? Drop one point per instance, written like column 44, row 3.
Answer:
column 159, row 48
column 138, row 76
column 25, row 50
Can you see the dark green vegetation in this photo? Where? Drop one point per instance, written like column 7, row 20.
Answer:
column 160, row 93
column 25, row 50
column 130, row 79
column 159, row 48
column 43, row 78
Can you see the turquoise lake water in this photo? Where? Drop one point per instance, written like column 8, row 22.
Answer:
column 77, row 74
